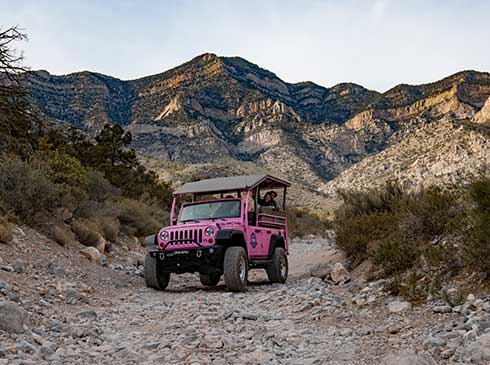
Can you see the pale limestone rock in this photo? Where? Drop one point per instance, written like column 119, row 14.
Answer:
column 339, row 274
column 399, row 306
column 91, row 253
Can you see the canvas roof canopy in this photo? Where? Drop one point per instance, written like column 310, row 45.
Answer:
column 232, row 183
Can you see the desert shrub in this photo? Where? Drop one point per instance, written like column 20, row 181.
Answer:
column 110, row 227
column 138, row 218
column 354, row 234
column 477, row 239
column 62, row 235
column 302, row 222
column 6, row 230
column 427, row 214
column 99, row 189
column 394, row 256
column 27, row 191
column 480, row 193
column 408, row 286
column 67, row 173
column 86, row 232
column 356, row 203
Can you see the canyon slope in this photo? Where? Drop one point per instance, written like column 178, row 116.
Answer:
column 225, row 115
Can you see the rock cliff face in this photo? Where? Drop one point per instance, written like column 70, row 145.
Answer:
column 213, row 110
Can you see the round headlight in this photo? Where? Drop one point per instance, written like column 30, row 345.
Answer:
column 164, row 235
column 209, row 231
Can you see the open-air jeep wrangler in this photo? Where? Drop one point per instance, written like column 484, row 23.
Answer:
column 221, row 229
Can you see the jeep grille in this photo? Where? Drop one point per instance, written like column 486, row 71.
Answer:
column 185, row 236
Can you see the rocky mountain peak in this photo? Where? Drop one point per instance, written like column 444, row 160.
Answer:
column 227, row 110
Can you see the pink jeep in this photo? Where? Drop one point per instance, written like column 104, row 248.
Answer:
column 221, row 228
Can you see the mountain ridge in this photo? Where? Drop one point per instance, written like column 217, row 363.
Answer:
column 213, row 110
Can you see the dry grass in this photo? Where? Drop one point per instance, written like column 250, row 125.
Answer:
column 86, row 232
column 62, row 235
column 110, row 227
column 6, row 230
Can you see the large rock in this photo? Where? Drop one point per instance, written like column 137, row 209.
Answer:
column 339, row 274
column 12, row 317
column 92, row 254
column 321, row 271
column 399, row 306
column 408, row 358
column 100, row 244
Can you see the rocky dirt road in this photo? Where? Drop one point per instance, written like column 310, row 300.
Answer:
column 79, row 312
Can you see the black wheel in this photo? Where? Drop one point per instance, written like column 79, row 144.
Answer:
column 277, row 271
column 235, row 267
column 154, row 277
column 210, row 279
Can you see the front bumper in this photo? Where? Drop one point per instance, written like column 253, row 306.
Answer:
column 204, row 260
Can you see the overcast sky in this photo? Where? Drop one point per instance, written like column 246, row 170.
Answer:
column 377, row 44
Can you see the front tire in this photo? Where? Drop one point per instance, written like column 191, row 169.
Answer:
column 277, row 271
column 235, row 267
column 154, row 277
column 209, row 279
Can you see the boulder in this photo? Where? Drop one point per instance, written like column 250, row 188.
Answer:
column 12, row 317
column 339, row 274
column 399, row 306
column 91, row 253
column 321, row 271
column 100, row 244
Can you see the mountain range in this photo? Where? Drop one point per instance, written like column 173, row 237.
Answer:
column 224, row 115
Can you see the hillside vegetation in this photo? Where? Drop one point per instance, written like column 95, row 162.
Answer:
column 419, row 239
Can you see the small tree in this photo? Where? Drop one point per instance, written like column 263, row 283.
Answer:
column 15, row 118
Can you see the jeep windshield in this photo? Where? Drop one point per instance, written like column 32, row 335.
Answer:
column 210, row 210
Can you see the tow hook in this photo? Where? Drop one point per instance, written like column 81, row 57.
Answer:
column 162, row 255
column 198, row 253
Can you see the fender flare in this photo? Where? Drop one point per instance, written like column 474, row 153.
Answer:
column 150, row 241
column 231, row 237
column 276, row 241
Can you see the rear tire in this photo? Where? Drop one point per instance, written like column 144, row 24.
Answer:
column 154, row 277
column 210, row 279
column 277, row 271
column 235, row 267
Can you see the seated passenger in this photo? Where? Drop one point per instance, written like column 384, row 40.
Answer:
column 275, row 204
column 269, row 200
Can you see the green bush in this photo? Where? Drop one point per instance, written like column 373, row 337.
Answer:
column 382, row 200
column 394, row 256
column 477, row 238
column 67, row 173
column 110, row 227
column 480, row 193
column 62, row 235
column 99, row 189
column 86, row 232
column 138, row 218
column 27, row 191
column 355, row 234
column 427, row 214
